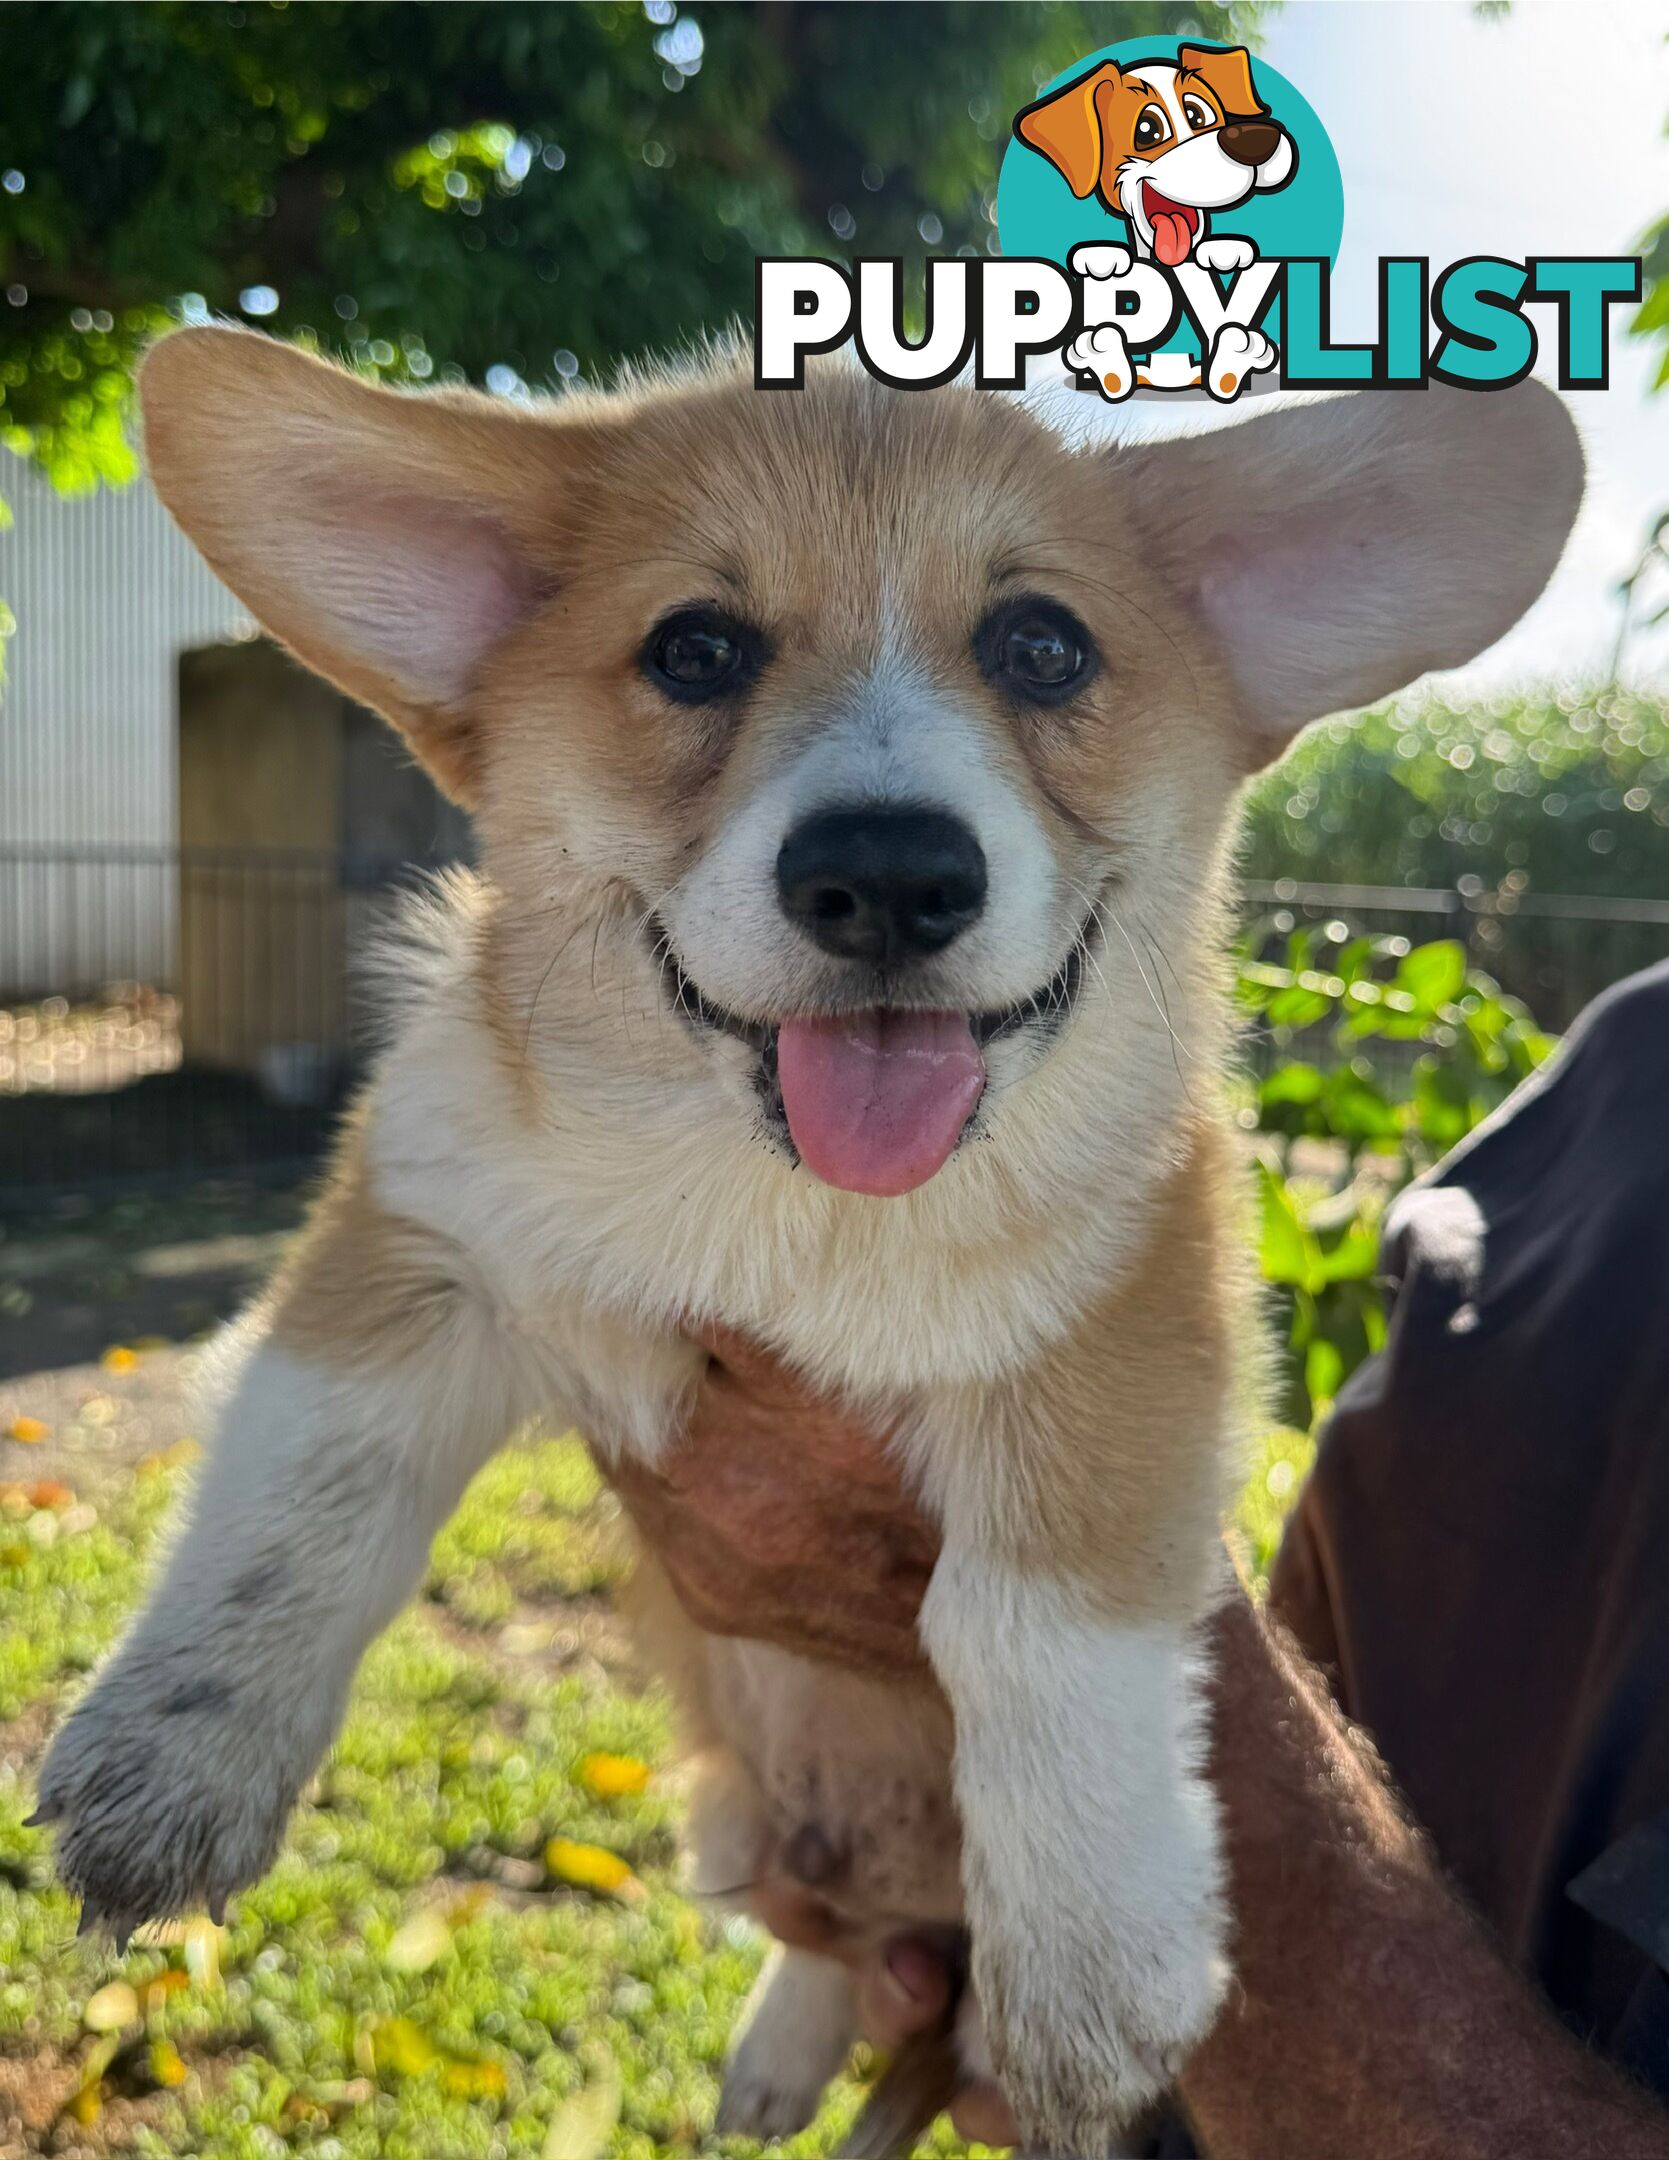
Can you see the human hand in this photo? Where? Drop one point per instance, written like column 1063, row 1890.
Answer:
column 907, row 1987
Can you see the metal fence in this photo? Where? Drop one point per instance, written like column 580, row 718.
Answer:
column 173, row 1014
column 1555, row 951
column 169, row 1015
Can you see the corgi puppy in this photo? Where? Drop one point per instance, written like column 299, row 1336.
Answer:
column 1164, row 143
column 853, row 771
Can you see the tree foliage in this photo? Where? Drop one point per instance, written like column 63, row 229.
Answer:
column 1560, row 790
column 510, row 187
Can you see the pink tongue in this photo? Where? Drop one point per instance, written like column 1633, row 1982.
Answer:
column 1170, row 236
column 877, row 1100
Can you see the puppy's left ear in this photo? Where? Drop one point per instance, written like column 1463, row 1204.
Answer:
column 394, row 541
column 1333, row 551
column 1226, row 71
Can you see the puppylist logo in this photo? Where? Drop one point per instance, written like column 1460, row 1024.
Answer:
column 1169, row 214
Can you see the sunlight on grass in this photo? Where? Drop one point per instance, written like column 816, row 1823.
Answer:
column 416, row 1979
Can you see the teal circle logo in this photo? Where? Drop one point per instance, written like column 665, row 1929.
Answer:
column 1157, row 144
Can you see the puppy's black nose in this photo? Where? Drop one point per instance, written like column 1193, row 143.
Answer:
column 881, row 885
column 1249, row 142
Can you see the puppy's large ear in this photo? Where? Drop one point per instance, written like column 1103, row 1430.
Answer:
column 1065, row 127
column 1226, row 71
column 1335, row 550
column 390, row 539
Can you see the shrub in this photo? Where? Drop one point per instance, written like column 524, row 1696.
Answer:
column 1566, row 792
column 1378, row 1057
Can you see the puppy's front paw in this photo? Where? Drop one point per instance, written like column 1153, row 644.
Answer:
column 1083, row 2043
column 796, row 2033
column 765, row 2100
column 168, row 1791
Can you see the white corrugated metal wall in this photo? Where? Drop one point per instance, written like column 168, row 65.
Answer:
column 107, row 594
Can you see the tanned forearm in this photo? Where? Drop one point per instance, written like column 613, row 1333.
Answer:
column 1371, row 2015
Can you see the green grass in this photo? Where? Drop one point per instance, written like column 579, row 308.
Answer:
column 336, row 2028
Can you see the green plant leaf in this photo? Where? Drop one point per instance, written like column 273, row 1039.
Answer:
column 1294, row 1084
column 1433, row 975
column 1323, row 1371
column 1287, row 1248
column 1354, row 1257
column 1298, row 1007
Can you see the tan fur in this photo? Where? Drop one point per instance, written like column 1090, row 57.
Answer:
column 360, row 1287
column 556, row 1188
column 1094, row 1463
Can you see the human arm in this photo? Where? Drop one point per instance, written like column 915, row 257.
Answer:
column 1371, row 2013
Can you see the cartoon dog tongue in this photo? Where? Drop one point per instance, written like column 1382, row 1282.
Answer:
column 1173, row 227
column 877, row 1100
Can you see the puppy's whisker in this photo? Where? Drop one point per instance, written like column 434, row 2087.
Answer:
column 550, row 969
column 1148, row 941
column 1095, row 919
column 1177, row 1044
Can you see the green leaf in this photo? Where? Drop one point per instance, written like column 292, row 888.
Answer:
column 1355, row 1256
column 1433, row 975
column 1355, row 1108
column 1323, row 1371
column 1298, row 1007
column 1292, row 1084
column 1287, row 1248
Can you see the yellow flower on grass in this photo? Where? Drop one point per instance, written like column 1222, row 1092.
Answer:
column 591, row 1867
column 30, row 1430
column 120, row 1359
column 611, row 1777
column 166, row 2065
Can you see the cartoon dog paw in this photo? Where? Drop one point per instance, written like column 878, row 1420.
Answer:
column 1225, row 253
column 1236, row 354
column 1100, row 260
column 1103, row 353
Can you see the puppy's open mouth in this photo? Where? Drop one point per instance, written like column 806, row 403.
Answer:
column 875, row 1101
column 1174, row 225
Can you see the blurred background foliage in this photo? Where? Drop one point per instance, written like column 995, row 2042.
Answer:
column 516, row 192
column 1562, row 789
column 1378, row 1055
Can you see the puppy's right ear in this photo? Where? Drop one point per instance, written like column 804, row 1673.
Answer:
column 1065, row 127
column 1334, row 550
column 391, row 540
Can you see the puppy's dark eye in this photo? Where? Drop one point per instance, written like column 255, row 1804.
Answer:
column 1198, row 113
column 699, row 653
column 1038, row 650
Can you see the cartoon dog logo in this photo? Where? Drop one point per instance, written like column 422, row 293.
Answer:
column 1164, row 144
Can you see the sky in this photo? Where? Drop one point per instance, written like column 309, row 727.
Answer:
column 1540, row 132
